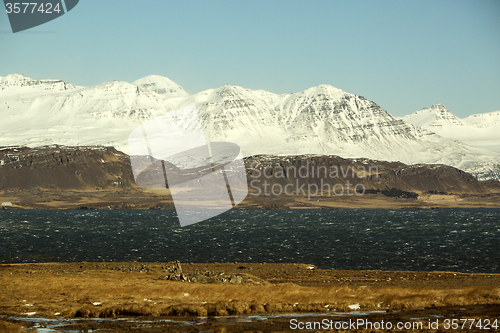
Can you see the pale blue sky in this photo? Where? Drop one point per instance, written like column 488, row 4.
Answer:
column 404, row 55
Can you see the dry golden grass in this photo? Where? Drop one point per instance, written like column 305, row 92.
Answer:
column 8, row 327
column 111, row 293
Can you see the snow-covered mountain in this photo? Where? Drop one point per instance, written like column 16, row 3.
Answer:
column 435, row 117
column 160, row 85
column 319, row 120
column 479, row 130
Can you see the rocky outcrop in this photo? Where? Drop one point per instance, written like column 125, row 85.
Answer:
column 202, row 276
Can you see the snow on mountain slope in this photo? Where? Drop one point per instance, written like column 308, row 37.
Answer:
column 319, row 120
column 479, row 130
column 43, row 112
column 484, row 120
column 327, row 120
column 25, row 85
column 160, row 85
column 435, row 116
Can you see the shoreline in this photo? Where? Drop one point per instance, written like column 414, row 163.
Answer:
column 417, row 320
column 161, row 200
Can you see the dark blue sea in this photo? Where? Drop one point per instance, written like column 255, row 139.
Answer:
column 461, row 240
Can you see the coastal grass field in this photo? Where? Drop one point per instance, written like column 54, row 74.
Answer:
column 133, row 289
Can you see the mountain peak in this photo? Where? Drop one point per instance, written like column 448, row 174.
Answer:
column 325, row 89
column 437, row 115
column 441, row 112
column 160, row 85
column 19, row 80
column 484, row 120
column 13, row 79
column 437, row 108
column 229, row 90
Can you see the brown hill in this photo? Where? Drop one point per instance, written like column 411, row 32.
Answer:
column 88, row 168
column 60, row 167
column 332, row 173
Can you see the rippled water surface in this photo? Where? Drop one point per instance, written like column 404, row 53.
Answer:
column 464, row 240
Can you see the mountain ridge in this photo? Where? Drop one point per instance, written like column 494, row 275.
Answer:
column 479, row 130
column 319, row 120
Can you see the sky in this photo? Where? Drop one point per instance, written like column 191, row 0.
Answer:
column 403, row 55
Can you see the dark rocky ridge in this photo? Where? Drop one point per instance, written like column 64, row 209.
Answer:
column 66, row 168
column 90, row 168
column 371, row 174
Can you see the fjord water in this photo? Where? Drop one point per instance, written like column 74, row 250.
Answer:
column 461, row 240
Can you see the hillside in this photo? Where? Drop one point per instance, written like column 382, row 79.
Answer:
column 101, row 177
